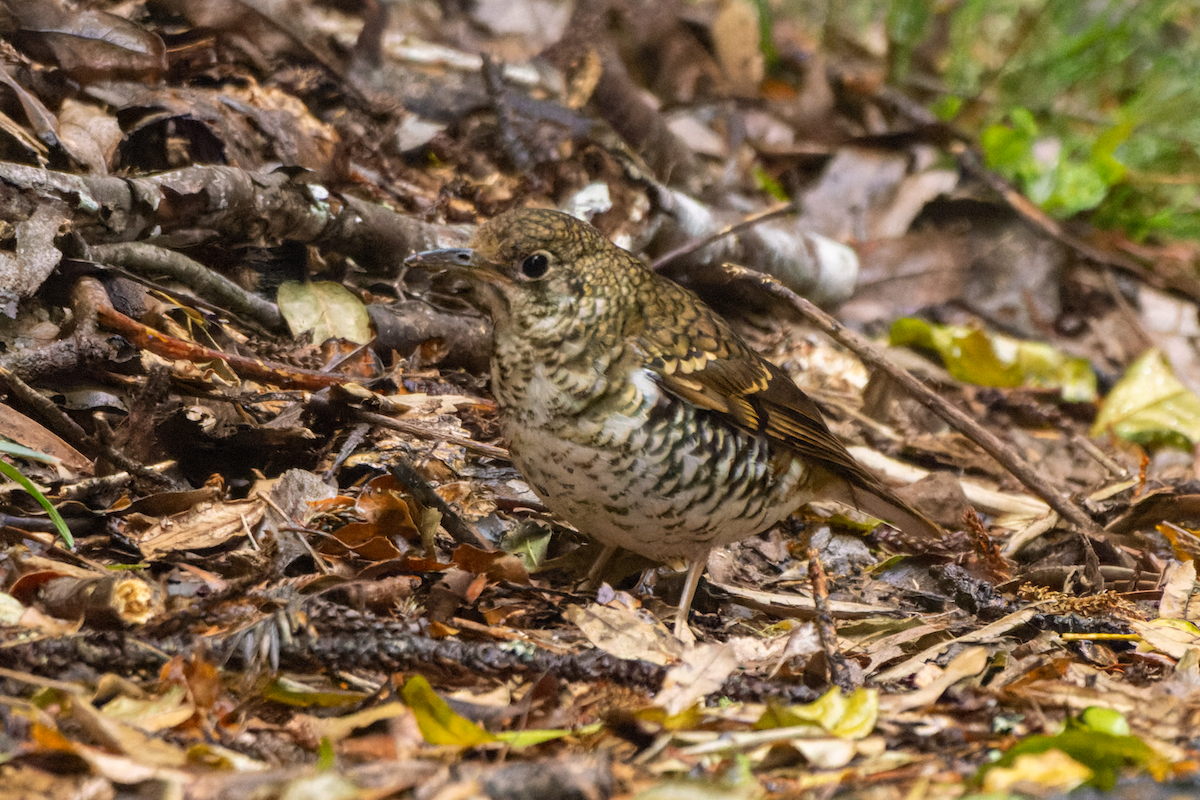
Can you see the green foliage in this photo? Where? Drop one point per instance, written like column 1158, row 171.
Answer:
column 1100, row 740
column 326, row 755
column 766, row 27
column 15, row 475
column 528, row 541
column 1151, row 407
column 291, row 692
column 1087, row 107
column 850, row 716
column 769, row 185
column 987, row 359
column 907, row 22
column 437, row 721
column 1060, row 181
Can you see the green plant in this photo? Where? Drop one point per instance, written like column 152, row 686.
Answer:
column 1085, row 106
column 14, row 475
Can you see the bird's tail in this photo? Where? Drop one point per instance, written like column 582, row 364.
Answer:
column 875, row 499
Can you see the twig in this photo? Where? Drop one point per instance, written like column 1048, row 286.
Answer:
column 826, row 632
column 55, row 418
column 105, row 440
column 729, row 230
column 429, row 433
column 174, row 349
column 235, row 205
column 493, row 81
column 423, row 493
column 354, row 438
column 90, row 486
column 151, row 261
column 1127, row 311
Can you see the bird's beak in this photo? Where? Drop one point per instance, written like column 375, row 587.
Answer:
column 458, row 259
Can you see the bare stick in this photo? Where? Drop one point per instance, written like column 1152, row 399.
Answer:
column 729, row 230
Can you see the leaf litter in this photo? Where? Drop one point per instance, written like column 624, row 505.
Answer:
column 305, row 566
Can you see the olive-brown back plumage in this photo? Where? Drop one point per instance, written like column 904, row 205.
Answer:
column 634, row 410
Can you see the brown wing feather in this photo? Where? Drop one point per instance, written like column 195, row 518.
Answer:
column 732, row 380
column 770, row 405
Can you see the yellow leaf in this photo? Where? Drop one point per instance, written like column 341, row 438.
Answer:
column 437, row 721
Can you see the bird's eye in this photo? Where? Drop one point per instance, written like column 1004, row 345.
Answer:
column 535, row 265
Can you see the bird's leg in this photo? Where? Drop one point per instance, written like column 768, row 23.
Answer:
column 592, row 581
column 695, row 570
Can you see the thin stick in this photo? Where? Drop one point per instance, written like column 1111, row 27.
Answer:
column 826, row 632
column 458, row 528
column 425, row 432
column 728, row 230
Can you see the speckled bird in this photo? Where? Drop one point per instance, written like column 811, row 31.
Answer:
column 635, row 412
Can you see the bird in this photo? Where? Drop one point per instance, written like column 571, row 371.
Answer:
column 635, row 412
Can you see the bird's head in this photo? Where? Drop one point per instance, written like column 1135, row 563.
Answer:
column 534, row 266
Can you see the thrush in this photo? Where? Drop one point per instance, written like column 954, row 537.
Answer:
column 635, row 412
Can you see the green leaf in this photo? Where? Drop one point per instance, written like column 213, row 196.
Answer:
column 1103, row 156
column 1077, row 187
column 850, row 717
column 987, row 359
column 907, row 22
column 1098, row 739
column 766, row 31
column 294, row 693
column 437, row 721
column 328, row 309
column 1102, row 720
column 1150, row 406
column 13, row 474
column 21, row 451
column 528, row 541
column 1008, row 151
column 1024, row 122
column 1103, row 753
column 326, row 756
column 529, row 738
column 768, row 184
column 948, row 107
column 1063, row 186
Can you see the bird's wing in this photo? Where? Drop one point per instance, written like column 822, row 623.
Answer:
column 710, row 367
column 699, row 358
column 760, row 398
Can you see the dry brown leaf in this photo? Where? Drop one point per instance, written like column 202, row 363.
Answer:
column 625, row 633
column 966, row 664
column 88, row 45
column 208, row 524
column 701, row 672
column 1178, row 586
